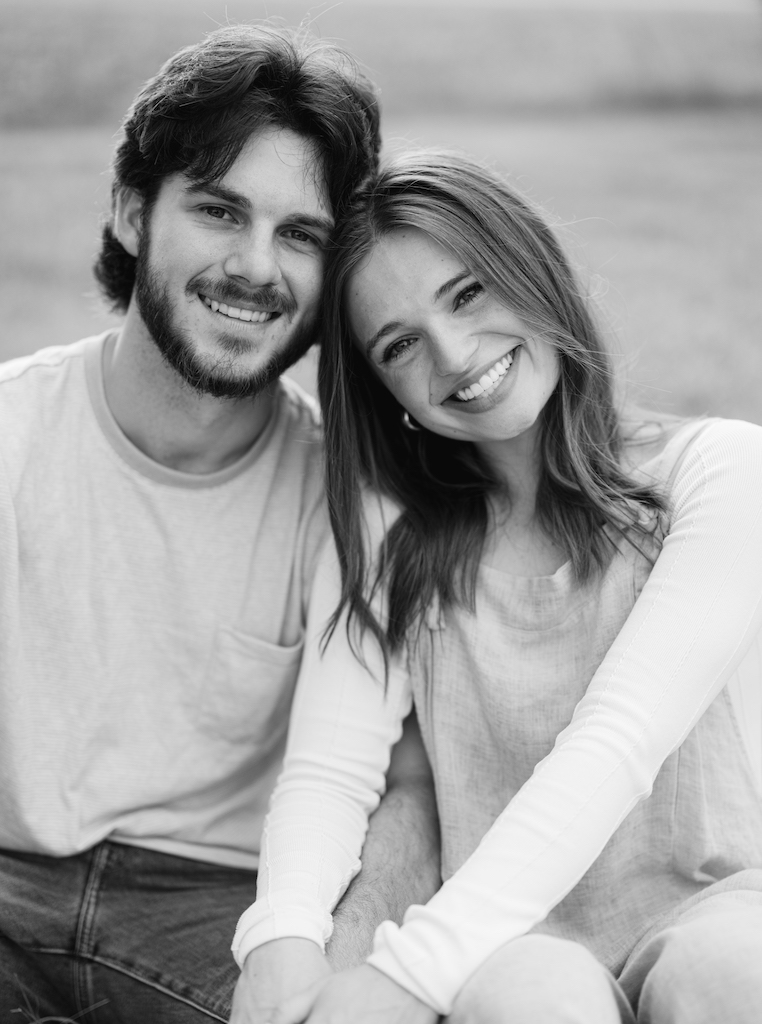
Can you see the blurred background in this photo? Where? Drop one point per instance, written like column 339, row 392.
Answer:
column 637, row 125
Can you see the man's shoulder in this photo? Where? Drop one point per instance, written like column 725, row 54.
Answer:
column 300, row 410
column 293, row 449
column 38, row 395
column 45, row 365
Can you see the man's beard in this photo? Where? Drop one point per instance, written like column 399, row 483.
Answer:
column 220, row 377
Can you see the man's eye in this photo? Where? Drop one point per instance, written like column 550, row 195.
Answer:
column 303, row 237
column 216, row 212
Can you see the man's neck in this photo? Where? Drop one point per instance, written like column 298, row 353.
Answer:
column 169, row 421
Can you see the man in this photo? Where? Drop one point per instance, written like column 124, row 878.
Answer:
column 160, row 521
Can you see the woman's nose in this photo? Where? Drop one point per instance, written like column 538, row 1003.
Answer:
column 452, row 351
column 254, row 260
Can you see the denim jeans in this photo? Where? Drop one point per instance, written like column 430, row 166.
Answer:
column 118, row 935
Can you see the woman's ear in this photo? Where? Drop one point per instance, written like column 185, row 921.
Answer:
column 128, row 219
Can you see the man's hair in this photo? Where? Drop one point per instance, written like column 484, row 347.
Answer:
column 443, row 486
column 198, row 112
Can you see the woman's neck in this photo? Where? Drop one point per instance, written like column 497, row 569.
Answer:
column 517, row 464
column 518, row 543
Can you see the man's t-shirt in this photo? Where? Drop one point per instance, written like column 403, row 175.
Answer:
column 151, row 621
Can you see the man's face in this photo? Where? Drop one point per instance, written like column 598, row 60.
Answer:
column 229, row 273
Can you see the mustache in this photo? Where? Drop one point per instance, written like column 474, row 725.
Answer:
column 234, row 294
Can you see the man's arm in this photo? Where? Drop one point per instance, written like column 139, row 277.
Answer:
column 400, row 857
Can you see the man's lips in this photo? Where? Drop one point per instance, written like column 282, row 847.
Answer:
column 245, row 313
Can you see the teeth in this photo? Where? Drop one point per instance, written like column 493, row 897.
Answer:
column 249, row 315
column 487, row 381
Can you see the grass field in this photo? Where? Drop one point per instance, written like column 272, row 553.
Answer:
column 640, row 129
column 78, row 62
column 662, row 210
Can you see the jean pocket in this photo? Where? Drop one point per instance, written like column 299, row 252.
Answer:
column 248, row 689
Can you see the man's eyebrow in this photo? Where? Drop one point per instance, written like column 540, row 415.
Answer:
column 213, row 188
column 449, row 285
column 233, row 198
column 309, row 221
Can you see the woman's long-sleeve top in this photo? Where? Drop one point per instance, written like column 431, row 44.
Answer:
column 696, row 619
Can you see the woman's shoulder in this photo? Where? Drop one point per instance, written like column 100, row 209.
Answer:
column 658, row 446
column 646, row 436
column 652, row 439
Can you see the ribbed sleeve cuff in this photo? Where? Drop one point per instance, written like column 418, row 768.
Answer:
column 298, row 919
column 410, row 967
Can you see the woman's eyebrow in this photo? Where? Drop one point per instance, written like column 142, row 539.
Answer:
column 449, row 285
column 388, row 328
column 394, row 325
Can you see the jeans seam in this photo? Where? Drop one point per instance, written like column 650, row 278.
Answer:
column 190, row 1000
column 83, row 942
column 194, row 1001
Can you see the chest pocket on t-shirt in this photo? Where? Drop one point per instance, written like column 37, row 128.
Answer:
column 248, row 689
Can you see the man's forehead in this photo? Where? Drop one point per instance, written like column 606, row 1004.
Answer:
column 273, row 158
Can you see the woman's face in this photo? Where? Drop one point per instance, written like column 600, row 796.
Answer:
column 462, row 364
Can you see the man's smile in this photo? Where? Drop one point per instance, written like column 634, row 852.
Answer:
column 257, row 316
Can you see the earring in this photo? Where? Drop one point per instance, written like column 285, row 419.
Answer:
column 409, row 422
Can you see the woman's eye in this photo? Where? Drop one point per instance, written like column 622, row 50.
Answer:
column 396, row 349
column 468, row 294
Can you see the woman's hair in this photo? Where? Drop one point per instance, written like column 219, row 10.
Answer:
column 198, row 112
column 442, row 486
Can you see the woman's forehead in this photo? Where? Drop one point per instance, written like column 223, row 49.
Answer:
column 403, row 250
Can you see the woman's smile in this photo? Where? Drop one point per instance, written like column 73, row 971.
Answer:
column 488, row 384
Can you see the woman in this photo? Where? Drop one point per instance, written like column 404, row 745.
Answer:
column 578, row 599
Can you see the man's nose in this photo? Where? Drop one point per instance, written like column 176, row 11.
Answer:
column 254, row 259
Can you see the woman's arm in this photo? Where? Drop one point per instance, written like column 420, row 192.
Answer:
column 400, row 855
column 400, row 865
column 343, row 725
column 688, row 631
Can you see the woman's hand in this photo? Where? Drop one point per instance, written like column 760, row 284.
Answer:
column 273, row 974
column 361, row 995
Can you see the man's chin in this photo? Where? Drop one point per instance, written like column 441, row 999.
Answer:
column 223, row 381
column 226, row 375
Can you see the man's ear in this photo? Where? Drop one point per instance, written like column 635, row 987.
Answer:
column 128, row 219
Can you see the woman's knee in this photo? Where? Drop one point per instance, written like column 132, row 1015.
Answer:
column 708, row 970
column 538, row 979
